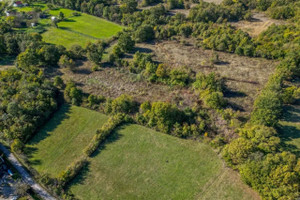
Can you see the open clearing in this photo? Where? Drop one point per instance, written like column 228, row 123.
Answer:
column 75, row 29
column 259, row 23
column 244, row 76
column 112, row 82
column 63, row 138
column 139, row 163
column 290, row 128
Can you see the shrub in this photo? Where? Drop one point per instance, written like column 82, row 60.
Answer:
column 144, row 33
column 73, row 94
column 122, row 104
column 17, row 146
column 179, row 77
column 95, row 52
column 237, row 151
column 210, row 82
column 161, row 115
column 72, row 170
column 214, row 100
column 267, row 109
column 66, row 62
column 104, row 132
column 76, row 52
column 275, row 177
column 125, row 42
column 58, row 82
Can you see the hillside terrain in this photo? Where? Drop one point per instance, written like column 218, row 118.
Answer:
column 152, row 99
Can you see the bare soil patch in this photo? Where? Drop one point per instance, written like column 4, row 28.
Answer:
column 257, row 25
column 244, row 76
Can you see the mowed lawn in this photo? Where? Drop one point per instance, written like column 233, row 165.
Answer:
column 75, row 29
column 290, row 128
column 139, row 163
column 63, row 138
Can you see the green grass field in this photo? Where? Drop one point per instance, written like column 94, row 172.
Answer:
column 290, row 128
column 75, row 29
column 139, row 163
column 63, row 138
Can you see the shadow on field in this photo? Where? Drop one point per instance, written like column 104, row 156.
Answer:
column 57, row 118
column 115, row 136
column 289, row 132
column 82, row 175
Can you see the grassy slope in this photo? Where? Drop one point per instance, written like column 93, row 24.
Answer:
column 75, row 30
column 63, row 138
column 139, row 163
column 290, row 130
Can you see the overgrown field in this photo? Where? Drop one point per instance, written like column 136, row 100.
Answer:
column 244, row 76
column 63, row 138
column 139, row 163
column 75, row 29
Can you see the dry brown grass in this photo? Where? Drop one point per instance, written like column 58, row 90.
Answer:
column 257, row 25
column 244, row 76
column 112, row 82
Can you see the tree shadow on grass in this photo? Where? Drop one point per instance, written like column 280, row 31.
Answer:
column 80, row 177
column 43, row 133
column 114, row 136
column 290, row 132
column 83, row 174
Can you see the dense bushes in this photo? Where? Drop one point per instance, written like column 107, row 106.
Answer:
column 210, row 88
column 73, row 94
column 121, row 104
column 143, row 64
column 26, row 101
column 275, row 177
column 257, row 153
column 209, row 12
column 169, row 119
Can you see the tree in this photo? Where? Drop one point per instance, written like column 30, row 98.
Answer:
column 73, row 94
column 76, row 52
column 95, row 52
column 49, row 55
column 125, row 42
column 61, row 16
column 58, row 82
column 144, row 33
column 27, row 59
column 237, row 151
column 267, row 109
column 129, row 6
column 66, row 62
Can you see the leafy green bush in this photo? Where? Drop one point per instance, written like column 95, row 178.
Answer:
column 104, row 132
column 72, row 170
column 73, row 94
column 275, row 177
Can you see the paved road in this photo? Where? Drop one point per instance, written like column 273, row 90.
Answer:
column 25, row 175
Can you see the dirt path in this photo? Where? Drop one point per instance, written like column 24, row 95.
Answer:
column 25, row 175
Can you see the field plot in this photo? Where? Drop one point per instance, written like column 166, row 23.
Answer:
column 63, row 138
column 139, row 163
column 75, row 29
column 244, row 76
column 290, row 128
column 112, row 82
